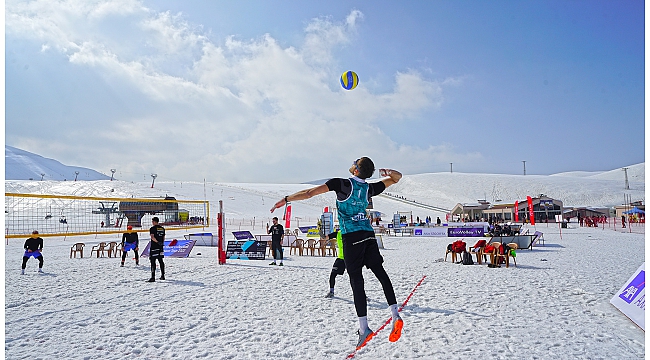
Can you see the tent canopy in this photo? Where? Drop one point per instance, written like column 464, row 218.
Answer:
column 634, row 210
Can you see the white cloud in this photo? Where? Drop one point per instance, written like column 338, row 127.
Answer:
column 241, row 111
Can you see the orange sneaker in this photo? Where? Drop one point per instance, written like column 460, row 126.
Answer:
column 364, row 337
column 397, row 330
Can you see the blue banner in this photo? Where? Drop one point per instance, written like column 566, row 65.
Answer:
column 246, row 250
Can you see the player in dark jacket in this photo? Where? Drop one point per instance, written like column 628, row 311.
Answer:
column 130, row 242
column 277, row 235
column 33, row 247
column 156, row 251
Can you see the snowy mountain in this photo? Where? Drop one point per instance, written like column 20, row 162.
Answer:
column 23, row 165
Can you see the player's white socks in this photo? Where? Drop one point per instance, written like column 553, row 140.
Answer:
column 393, row 311
column 363, row 323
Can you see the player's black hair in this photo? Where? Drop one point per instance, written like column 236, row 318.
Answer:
column 366, row 167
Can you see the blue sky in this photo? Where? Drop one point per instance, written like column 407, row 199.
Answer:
column 249, row 90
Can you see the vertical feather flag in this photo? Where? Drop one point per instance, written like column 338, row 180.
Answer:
column 530, row 210
column 517, row 211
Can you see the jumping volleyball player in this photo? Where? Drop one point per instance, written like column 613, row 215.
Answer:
column 359, row 242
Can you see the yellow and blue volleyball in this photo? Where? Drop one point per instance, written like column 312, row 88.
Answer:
column 349, row 80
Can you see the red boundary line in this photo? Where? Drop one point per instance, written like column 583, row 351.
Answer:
column 352, row 354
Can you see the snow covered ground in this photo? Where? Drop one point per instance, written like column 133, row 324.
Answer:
column 553, row 305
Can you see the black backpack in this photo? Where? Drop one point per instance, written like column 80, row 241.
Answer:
column 467, row 259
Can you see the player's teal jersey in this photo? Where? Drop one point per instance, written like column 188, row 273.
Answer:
column 352, row 211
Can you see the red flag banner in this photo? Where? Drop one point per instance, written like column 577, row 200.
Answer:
column 530, row 210
column 287, row 223
column 517, row 211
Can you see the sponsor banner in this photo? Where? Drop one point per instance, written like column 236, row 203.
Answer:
column 531, row 212
column 313, row 233
column 305, row 229
column 546, row 203
column 630, row 299
column 246, row 250
column 430, row 231
column 243, row 235
column 516, row 211
column 174, row 248
column 466, row 232
column 287, row 217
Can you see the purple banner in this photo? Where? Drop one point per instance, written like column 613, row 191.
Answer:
column 466, row 232
column 243, row 235
column 180, row 249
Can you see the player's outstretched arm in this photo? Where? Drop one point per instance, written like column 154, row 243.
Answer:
column 301, row 195
column 393, row 176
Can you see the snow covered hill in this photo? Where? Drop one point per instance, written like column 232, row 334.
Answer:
column 23, row 165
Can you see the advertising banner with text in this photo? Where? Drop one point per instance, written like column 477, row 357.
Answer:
column 246, row 250
column 466, row 232
column 630, row 299
column 438, row 231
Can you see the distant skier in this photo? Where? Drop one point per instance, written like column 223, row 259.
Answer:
column 359, row 242
column 130, row 242
column 33, row 247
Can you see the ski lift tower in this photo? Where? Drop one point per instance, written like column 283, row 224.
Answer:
column 108, row 208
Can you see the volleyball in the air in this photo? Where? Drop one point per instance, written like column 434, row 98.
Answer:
column 349, row 80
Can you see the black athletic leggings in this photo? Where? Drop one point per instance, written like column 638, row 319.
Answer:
column 40, row 261
column 153, row 266
column 359, row 293
column 124, row 256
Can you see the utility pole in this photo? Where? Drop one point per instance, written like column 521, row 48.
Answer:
column 524, row 161
column 153, row 177
column 112, row 173
column 627, row 184
column 451, row 168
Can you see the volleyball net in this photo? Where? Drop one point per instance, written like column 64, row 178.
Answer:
column 63, row 215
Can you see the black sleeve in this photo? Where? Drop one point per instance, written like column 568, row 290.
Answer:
column 40, row 243
column 376, row 188
column 281, row 229
column 123, row 238
column 332, row 235
column 25, row 246
column 342, row 187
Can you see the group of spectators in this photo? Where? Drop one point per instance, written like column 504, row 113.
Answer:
column 502, row 230
column 592, row 221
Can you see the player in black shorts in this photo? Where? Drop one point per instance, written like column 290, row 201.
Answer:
column 33, row 247
column 156, row 251
column 359, row 242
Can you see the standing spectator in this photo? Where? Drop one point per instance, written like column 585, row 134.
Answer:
column 156, row 250
column 33, row 247
column 438, row 222
column 359, row 242
column 623, row 220
column 277, row 235
column 130, row 242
